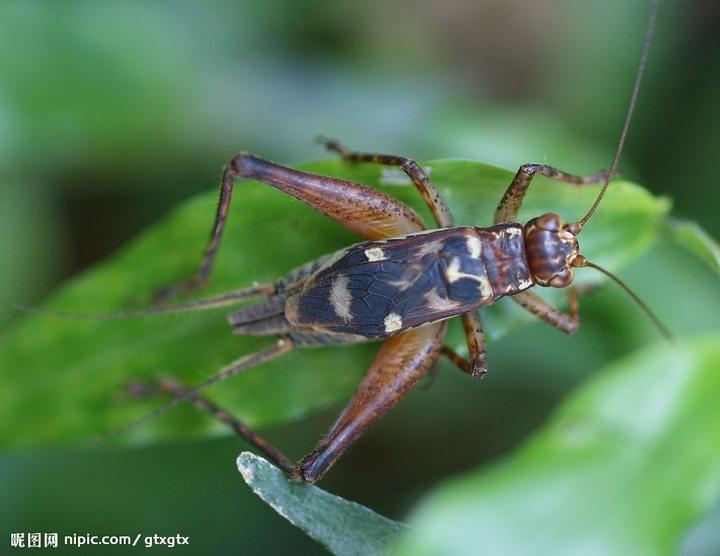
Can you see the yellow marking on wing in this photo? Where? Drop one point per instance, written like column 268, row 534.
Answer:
column 375, row 254
column 392, row 322
column 340, row 297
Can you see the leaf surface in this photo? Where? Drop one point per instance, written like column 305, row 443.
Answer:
column 345, row 528
column 693, row 237
column 625, row 467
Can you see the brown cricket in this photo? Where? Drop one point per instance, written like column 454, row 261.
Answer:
column 400, row 285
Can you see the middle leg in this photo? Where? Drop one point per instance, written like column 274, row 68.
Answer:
column 475, row 337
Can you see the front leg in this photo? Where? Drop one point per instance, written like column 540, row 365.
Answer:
column 401, row 362
column 510, row 203
column 552, row 315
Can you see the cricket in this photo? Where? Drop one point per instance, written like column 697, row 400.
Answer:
column 400, row 285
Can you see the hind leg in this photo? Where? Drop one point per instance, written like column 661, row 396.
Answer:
column 170, row 386
column 401, row 362
column 363, row 210
column 431, row 196
column 280, row 347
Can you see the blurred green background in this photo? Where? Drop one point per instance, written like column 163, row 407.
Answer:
column 112, row 113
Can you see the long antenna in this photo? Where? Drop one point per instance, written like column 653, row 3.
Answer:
column 581, row 261
column 214, row 302
column 649, row 31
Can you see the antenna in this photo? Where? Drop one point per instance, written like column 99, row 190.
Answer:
column 581, row 261
column 649, row 31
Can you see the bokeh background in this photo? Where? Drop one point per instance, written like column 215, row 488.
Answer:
column 112, row 113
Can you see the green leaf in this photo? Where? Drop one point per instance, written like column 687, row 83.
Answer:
column 697, row 240
column 624, row 467
column 63, row 379
column 343, row 527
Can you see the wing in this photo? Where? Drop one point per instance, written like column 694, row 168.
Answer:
column 381, row 288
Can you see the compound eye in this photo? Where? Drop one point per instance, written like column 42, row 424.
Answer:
column 549, row 221
column 562, row 279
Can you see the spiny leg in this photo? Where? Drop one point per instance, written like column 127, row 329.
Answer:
column 170, row 386
column 363, row 210
column 282, row 346
column 401, row 362
column 510, row 203
column 475, row 336
column 550, row 314
column 429, row 193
